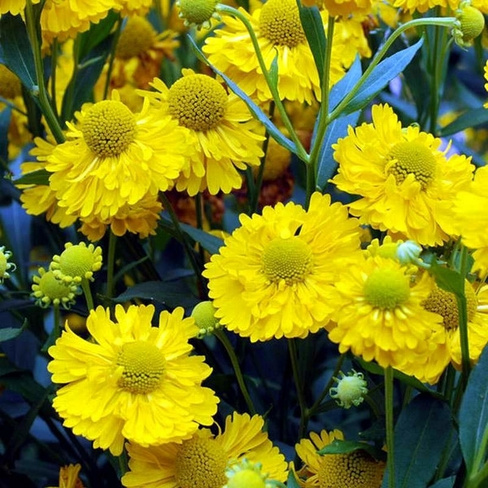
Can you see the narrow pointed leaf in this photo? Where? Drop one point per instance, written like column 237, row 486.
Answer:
column 210, row 243
column 292, row 481
column 469, row 119
column 39, row 177
column 345, row 84
column 5, row 116
column 444, row 483
column 447, row 279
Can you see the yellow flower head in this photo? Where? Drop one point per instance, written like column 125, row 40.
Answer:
column 68, row 477
column 204, row 459
column 350, row 389
column 246, row 475
column 349, row 470
column 132, row 7
column 5, row 266
column 113, row 158
column 275, row 275
column 380, row 314
column 225, row 135
column 197, row 12
column 48, row 289
column 470, row 24
column 405, row 183
column 204, row 315
column 348, row 7
column 132, row 380
column 14, row 7
column 77, row 262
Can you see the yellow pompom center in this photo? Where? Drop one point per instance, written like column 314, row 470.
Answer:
column 472, row 23
column 279, row 22
column 49, row 289
column 201, row 463
column 136, row 38
column 356, row 469
column 142, row 367
column 197, row 11
column 287, row 259
column 204, row 315
column 77, row 263
column 414, row 158
column 386, row 288
column 10, row 86
column 444, row 303
column 247, row 478
column 197, row 101
column 109, row 128
column 3, row 265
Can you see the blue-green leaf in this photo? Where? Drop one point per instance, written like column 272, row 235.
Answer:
column 473, row 415
column 444, row 483
column 345, row 84
column 208, row 241
column 313, row 26
column 421, row 434
column 447, row 279
column 9, row 333
column 386, row 70
column 5, row 116
column 471, row 118
column 292, row 482
column 15, row 49
column 254, row 109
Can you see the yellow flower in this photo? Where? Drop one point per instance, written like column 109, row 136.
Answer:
column 275, row 275
column 132, row 380
column 352, row 470
column 47, row 289
column 201, row 460
column 15, row 7
column 132, row 7
column 113, row 158
column 197, row 12
column 380, row 314
column 348, row 7
column 279, row 31
column 225, row 135
column 405, row 182
column 68, row 477
column 471, row 210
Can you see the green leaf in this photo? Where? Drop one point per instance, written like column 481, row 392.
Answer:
column 292, row 482
column 345, row 84
column 447, row 279
column 274, row 72
column 39, row 177
column 473, row 416
column 253, row 108
column 9, row 333
column 386, row 70
column 444, row 483
column 313, row 27
column 421, row 434
column 469, row 119
column 5, row 116
column 97, row 34
column 171, row 293
column 209, row 242
column 16, row 50
column 345, row 447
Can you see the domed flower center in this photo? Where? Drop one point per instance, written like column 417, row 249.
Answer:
column 197, row 101
column 10, row 86
column 136, row 38
column 197, row 11
column 444, row 303
column 412, row 158
column 247, row 478
column 77, row 262
column 352, row 470
column 280, row 23
column 52, row 288
column 386, row 288
column 3, row 265
column 109, row 128
column 143, row 366
column 287, row 259
column 201, row 463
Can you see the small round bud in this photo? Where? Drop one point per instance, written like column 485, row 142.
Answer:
column 408, row 252
column 350, row 389
column 204, row 315
column 246, row 474
column 469, row 25
column 198, row 12
column 5, row 266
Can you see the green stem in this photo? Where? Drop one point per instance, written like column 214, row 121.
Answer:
column 301, row 153
column 324, row 107
column 441, row 22
column 390, row 438
column 57, row 322
column 111, row 59
column 85, row 286
column 478, row 475
column 112, row 241
column 463, row 319
column 292, row 347
column 41, row 94
column 220, row 334
column 54, row 63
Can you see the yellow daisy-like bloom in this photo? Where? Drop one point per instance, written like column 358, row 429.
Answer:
column 380, row 314
column 201, row 460
column 352, row 470
column 132, row 7
column 48, row 289
column 423, row 5
column 113, row 158
column 63, row 19
column 275, row 275
column 77, row 262
column 132, row 380
column 405, row 182
column 225, row 135
column 471, row 210
column 14, row 7
column 68, row 477
column 279, row 32
column 348, row 7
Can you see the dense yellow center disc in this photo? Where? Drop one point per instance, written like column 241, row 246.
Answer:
column 412, row 158
column 3, row 264
column 444, row 303
column 247, row 478
column 143, row 366
column 200, row 463
column 386, row 288
column 197, row 11
column 76, row 261
column 136, row 38
column 197, row 101
column 353, row 470
column 10, row 86
column 109, row 128
column 280, row 23
column 53, row 288
column 287, row 259
column 472, row 23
